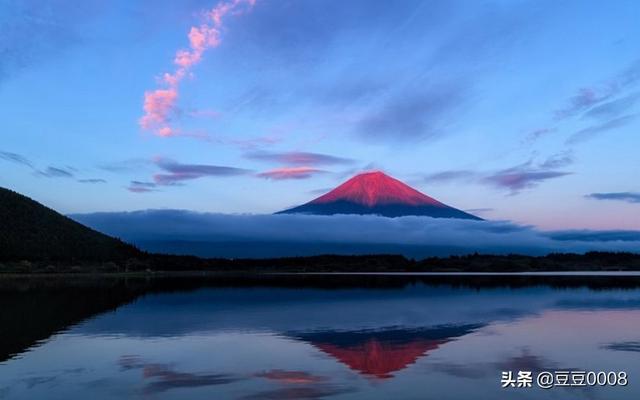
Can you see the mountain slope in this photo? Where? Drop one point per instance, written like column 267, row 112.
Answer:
column 378, row 193
column 31, row 231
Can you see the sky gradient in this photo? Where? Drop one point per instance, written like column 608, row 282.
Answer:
column 525, row 111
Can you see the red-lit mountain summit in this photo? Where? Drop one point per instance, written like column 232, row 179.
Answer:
column 378, row 193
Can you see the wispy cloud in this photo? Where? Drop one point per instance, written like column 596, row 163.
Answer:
column 451, row 175
column 515, row 179
column 33, row 34
column 348, row 92
column 130, row 165
column 629, row 197
column 479, row 210
column 178, row 172
column 56, row 172
column 319, row 191
column 160, row 104
column 174, row 173
column 141, row 187
column 606, row 101
column 252, row 143
column 246, row 144
column 411, row 116
column 49, row 172
column 290, row 173
column 522, row 177
column 15, row 158
column 298, row 158
column 162, row 377
column 212, row 114
column 614, row 108
column 558, row 160
column 592, row 131
column 598, row 94
column 92, row 180
column 583, row 100
column 538, row 133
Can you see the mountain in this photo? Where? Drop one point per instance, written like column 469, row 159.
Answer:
column 378, row 193
column 31, row 231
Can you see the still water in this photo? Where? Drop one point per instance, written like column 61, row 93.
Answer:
column 331, row 337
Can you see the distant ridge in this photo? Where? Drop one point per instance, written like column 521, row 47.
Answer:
column 31, row 231
column 378, row 193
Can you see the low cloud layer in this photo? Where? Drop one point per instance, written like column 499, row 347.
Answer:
column 596, row 236
column 178, row 231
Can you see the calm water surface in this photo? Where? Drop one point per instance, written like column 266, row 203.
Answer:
column 326, row 337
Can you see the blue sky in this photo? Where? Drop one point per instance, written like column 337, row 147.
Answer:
column 518, row 110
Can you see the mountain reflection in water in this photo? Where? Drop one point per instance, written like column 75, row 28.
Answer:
column 381, row 353
column 302, row 337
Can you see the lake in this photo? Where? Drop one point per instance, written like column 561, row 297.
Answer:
column 318, row 337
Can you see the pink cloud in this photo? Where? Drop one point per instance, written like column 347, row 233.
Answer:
column 139, row 190
column 165, row 131
column 290, row 173
column 160, row 104
column 298, row 158
column 157, row 105
column 291, row 377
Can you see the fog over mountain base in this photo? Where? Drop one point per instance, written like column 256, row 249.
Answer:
column 257, row 236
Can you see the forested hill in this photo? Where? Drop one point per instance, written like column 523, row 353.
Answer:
column 31, row 231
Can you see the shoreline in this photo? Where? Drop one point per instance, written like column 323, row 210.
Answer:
column 209, row 274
